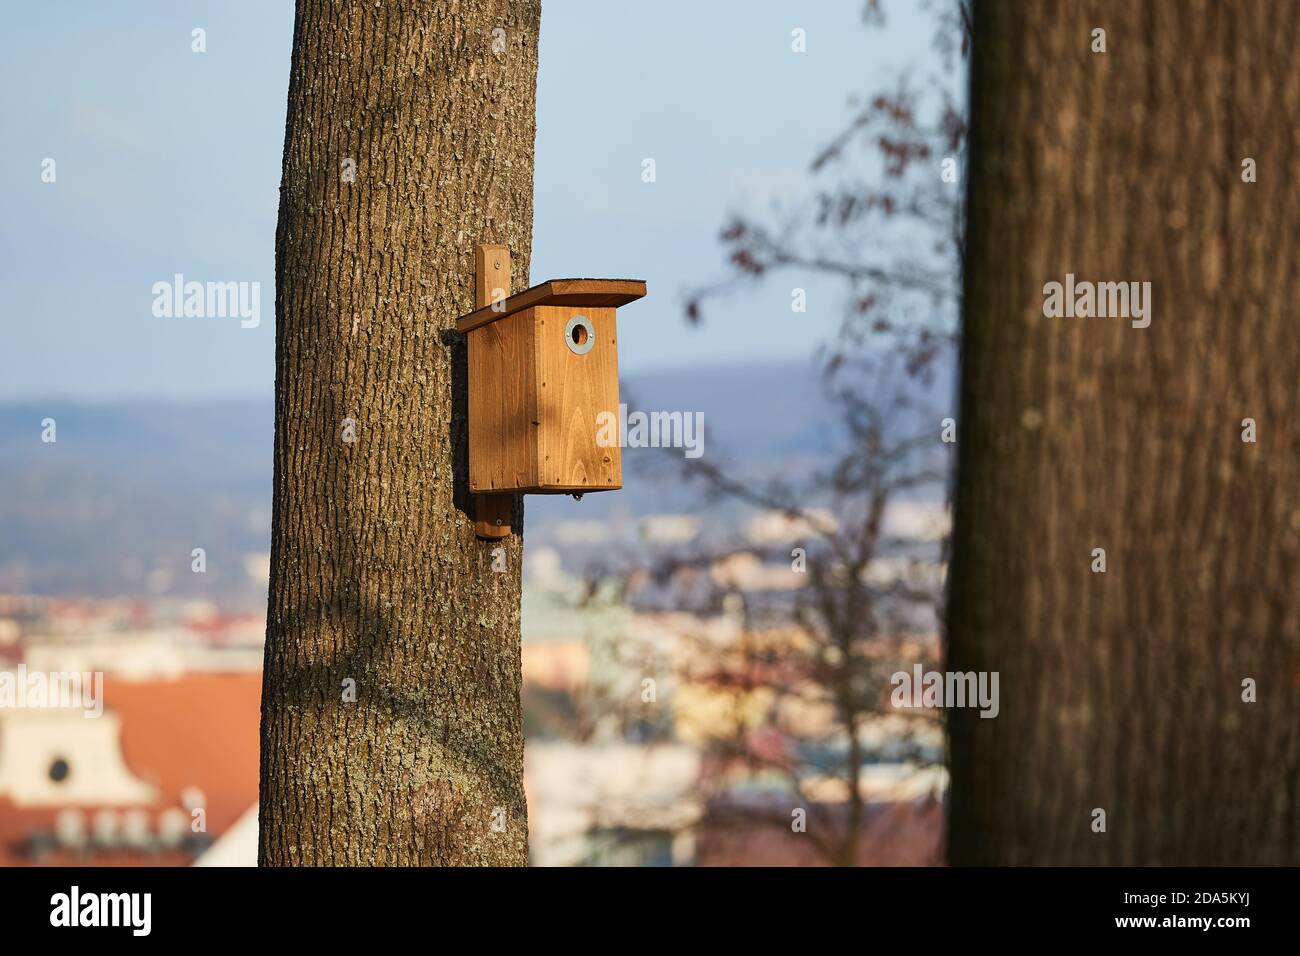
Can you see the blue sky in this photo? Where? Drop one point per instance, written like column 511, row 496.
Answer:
column 169, row 161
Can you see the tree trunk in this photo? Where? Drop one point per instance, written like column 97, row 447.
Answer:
column 376, row 575
column 1123, row 691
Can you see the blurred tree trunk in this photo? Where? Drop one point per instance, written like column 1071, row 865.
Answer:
column 1123, row 691
column 376, row 575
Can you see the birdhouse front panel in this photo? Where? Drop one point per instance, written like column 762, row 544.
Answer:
column 577, row 381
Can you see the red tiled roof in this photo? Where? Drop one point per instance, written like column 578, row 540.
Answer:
column 200, row 730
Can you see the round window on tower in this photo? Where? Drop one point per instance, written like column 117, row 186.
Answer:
column 59, row 770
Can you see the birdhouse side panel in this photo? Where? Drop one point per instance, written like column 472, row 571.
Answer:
column 577, row 381
column 502, row 406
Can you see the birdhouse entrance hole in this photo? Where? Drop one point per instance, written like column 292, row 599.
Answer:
column 579, row 335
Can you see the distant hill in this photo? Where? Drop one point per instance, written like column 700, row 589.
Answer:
column 116, row 505
column 118, row 502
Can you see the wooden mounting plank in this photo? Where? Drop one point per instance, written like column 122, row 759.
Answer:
column 491, row 273
column 593, row 293
column 492, row 515
column 491, row 282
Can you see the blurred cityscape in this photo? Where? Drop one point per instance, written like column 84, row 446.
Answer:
column 614, row 775
column 659, row 731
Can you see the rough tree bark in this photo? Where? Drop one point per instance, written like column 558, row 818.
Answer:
column 376, row 576
column 1123, row 690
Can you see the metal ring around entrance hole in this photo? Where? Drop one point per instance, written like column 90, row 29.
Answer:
column 579, row 335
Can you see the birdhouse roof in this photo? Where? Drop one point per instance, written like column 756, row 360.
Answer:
column 595, row 293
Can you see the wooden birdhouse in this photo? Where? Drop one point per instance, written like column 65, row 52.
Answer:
column 542, row 367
